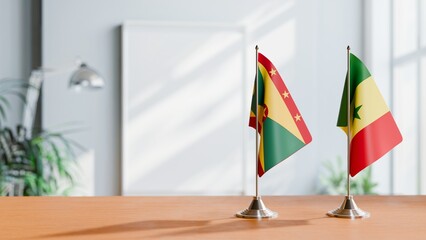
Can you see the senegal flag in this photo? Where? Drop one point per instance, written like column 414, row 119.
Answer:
column 281, row 127
column 373, row 129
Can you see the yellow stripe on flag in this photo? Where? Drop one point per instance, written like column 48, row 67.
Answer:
column 277, row 109
column 373, row 106
column 261, row 153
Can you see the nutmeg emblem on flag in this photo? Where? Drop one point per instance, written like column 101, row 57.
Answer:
column 281, row 126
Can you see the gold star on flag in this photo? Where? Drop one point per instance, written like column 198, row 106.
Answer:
column 273, row 72
column 297, row 117
column 286, row 94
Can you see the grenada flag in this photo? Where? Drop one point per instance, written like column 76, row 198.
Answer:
column 281, row 127
column 373, row 129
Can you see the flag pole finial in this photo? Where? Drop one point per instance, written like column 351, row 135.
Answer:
column 348, row 48
column 257, row 47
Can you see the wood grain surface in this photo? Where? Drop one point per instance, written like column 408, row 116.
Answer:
column 300, row 217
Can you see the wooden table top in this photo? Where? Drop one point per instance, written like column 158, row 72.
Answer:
column 300, row 217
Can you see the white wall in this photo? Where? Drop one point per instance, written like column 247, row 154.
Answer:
column 310, row 52
column 387, row 34
column 15, row 47
column 377, row 57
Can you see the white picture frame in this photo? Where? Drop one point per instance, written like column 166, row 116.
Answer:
column 198, row 79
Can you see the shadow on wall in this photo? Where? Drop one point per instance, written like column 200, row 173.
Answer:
column 188, row 99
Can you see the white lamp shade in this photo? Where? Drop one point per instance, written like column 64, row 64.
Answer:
column 86, row 77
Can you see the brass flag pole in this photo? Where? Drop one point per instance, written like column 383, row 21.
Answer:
column 348, row 209
column 257, row 208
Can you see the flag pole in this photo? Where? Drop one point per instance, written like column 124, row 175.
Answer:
column 257, row 208
column 257, row 122
column 348, row 209
column 348, row 182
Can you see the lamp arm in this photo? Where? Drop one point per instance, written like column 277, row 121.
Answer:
column 32, row 96
column 33, row 93
column 83, row 76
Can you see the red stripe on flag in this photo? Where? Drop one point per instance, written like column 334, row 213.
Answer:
column 373, row 141
column 260, row 170
column 252, row 123
column 280, row 85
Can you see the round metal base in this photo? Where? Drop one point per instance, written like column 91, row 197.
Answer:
column 349, row 209
column 257, row 209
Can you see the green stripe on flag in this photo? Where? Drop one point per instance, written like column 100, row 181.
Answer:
column 359, row 73
column 278, row 143
column 260, row 94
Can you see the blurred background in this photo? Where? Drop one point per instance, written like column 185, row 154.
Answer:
column 172, row 116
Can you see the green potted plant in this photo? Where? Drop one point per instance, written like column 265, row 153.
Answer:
column 333, row 180
column 32, row 165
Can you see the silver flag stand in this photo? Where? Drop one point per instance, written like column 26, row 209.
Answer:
column 257, row 208
column 348, row 209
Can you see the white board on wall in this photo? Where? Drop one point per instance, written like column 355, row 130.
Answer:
column 182, row 109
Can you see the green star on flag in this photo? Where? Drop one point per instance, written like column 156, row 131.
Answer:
column 356, row 114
